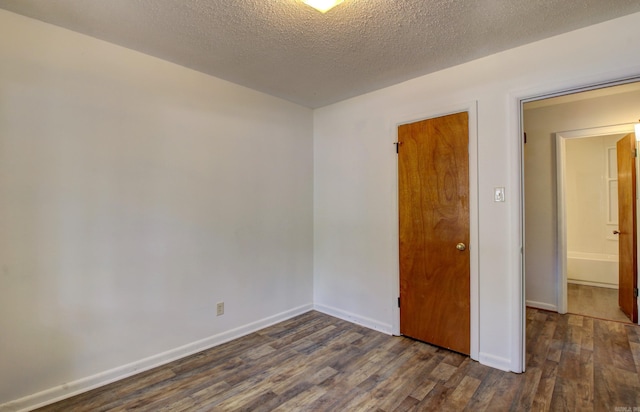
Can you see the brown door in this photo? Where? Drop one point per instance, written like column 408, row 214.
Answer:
column 627, row 245
column 433, row 173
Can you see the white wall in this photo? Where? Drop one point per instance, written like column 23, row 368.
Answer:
column 355, row 170
column 540, row 125
column 134, row 195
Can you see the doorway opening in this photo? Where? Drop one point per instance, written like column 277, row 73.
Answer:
column 571, row 248
column 588, row 227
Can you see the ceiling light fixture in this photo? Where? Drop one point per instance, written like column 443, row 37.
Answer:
column 323, row 6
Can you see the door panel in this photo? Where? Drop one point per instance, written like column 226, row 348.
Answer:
column 433, row 173
column 628, row 259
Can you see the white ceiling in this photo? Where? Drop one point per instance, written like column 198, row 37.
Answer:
column 286, row 49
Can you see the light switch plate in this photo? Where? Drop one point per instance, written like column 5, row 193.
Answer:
column 498, row 194
column 220, row 309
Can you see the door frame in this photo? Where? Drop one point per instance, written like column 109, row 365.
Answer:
column 517, row 98
column 561, row 140
column 474, row 303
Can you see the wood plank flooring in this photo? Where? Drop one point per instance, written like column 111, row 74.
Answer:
column 595, row 302
column 315, row 362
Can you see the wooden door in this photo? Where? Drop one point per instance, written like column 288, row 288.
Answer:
column 433, row 173
column 627, row 245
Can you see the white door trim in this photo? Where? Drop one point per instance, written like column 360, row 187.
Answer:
column 474, row 285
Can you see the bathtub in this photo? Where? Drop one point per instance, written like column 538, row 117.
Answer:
column 594, row 269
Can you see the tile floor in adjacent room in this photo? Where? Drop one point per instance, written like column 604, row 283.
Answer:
column 601, row 303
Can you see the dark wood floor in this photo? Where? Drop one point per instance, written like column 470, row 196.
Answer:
column 315, row 362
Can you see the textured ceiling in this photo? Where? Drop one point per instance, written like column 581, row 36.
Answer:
column 287, row 49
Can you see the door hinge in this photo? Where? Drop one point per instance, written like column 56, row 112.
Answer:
column 399, row 299
column 397, row 146
column 635, row 293
column 635, row 152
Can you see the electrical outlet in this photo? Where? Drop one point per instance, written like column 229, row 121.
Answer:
column 220, row 309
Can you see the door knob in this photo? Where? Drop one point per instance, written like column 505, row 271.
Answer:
column 615, row 232
column 461, row 246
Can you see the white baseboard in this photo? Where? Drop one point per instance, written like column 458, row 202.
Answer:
column 542, row 305
column 353, row 318
column 68, row 390
column 596, row 284
column 496, row 362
